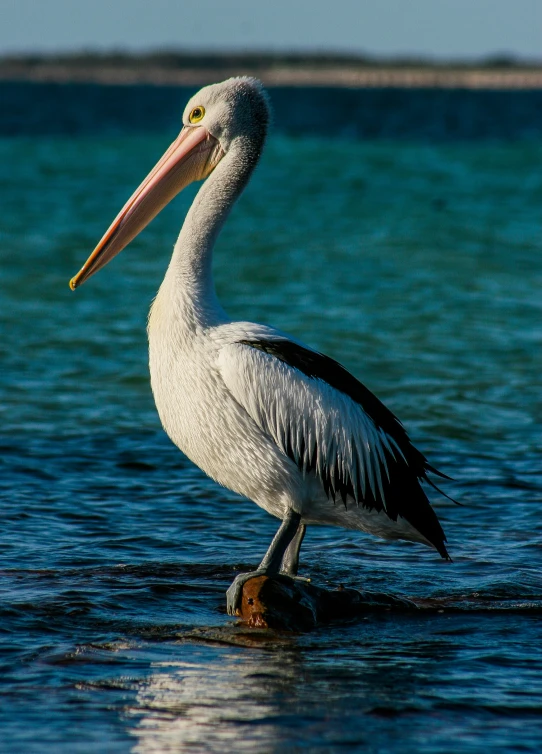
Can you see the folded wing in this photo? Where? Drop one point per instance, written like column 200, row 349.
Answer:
column 331, row 425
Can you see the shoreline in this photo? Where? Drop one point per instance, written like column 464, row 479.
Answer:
column 347, row 76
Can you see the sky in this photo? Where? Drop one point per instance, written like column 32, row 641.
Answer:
column 441, row 29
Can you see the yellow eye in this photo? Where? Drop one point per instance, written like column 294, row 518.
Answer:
column 197, row 114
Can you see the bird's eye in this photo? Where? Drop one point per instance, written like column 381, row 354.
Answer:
column 197, row 114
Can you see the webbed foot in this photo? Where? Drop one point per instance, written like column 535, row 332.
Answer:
column 235, row 590
column 279, row 557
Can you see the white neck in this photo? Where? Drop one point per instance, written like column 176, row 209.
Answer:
column 189, row 279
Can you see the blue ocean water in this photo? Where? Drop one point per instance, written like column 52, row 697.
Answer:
column 401, row 234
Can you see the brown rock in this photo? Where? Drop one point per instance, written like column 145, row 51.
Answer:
column 281, row 602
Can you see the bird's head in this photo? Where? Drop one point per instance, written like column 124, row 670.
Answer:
column 215, row 119
column 235, row 109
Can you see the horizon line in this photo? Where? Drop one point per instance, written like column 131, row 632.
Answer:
column 497, row 59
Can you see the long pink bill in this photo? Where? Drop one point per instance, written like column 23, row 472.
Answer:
column 190, row 158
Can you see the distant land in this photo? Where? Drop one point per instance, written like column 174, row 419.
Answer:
column 194, row 69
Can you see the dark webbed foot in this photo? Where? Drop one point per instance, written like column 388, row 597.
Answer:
column 273, row 561
column 234, row 593
column 235, row 590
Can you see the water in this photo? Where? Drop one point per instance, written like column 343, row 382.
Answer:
column 421, row 114
column 415, row 262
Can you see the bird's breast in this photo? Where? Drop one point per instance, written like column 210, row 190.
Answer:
column 182, row 379
column 204, row 420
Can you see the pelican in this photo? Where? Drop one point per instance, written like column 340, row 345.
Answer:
column 259, row 411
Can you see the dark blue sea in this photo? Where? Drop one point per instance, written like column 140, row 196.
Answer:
column 399, row 231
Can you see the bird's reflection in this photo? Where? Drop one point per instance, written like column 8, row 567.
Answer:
column 215, row 699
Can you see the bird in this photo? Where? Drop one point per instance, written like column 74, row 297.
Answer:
column 260, row 412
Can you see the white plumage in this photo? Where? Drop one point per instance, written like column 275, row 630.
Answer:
column 258, row 411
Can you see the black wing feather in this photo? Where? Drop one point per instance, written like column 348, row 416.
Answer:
column 402, row 491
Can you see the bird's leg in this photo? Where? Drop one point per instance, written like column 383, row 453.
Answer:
column 290, row 560
column 271, row 562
